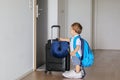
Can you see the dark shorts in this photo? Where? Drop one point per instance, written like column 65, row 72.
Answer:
column 76, row 61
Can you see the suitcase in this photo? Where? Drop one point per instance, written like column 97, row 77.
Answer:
column 53, row 63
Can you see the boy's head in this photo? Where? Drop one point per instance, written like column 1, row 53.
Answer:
column 76, row 28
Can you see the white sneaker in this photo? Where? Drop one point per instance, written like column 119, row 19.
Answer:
column 83, row 73
column 72, row 74
column 66, row 72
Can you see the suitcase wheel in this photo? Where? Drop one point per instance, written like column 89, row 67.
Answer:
column 47, row 72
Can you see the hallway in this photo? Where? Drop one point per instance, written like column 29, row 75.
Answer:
column 106, row 67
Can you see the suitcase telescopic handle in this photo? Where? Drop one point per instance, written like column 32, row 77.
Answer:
column 54, row 26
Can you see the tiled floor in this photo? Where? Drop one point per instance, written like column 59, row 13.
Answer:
column 106, row 67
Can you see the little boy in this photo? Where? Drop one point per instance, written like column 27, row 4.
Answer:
column 76, row 52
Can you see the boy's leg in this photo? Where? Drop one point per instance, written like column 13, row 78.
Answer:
column 77, row 68
column 74, row 73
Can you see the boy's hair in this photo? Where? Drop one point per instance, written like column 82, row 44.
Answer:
column 77, row 27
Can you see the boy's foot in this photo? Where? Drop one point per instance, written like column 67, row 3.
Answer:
column 72, row 74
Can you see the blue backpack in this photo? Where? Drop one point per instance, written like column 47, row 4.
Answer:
column 87, row 58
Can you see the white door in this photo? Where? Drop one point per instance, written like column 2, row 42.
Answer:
column 107, row 24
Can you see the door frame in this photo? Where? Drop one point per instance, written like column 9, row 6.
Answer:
column 34, row 34
column 35, row 15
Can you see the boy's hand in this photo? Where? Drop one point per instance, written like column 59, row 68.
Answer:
column 60, row 39
column 63, row 39
column 72, row 53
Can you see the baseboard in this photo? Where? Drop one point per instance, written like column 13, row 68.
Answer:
column 24, row 75
column 106, row 49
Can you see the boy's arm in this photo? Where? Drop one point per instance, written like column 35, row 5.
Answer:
column 63, row 39
column 76, row 49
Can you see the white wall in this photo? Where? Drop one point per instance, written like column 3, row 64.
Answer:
column 56, row 16
column 62, row 17
column 107, row 24
column 16, row 39
column 52, row 15
column 81, row 11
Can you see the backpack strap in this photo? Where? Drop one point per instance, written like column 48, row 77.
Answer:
column 82, row 47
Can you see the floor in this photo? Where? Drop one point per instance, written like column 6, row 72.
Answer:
column 106, row 67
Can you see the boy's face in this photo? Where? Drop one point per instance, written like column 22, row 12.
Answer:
column 72, row 32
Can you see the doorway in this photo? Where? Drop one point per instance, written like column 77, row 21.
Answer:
column 40, row 32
